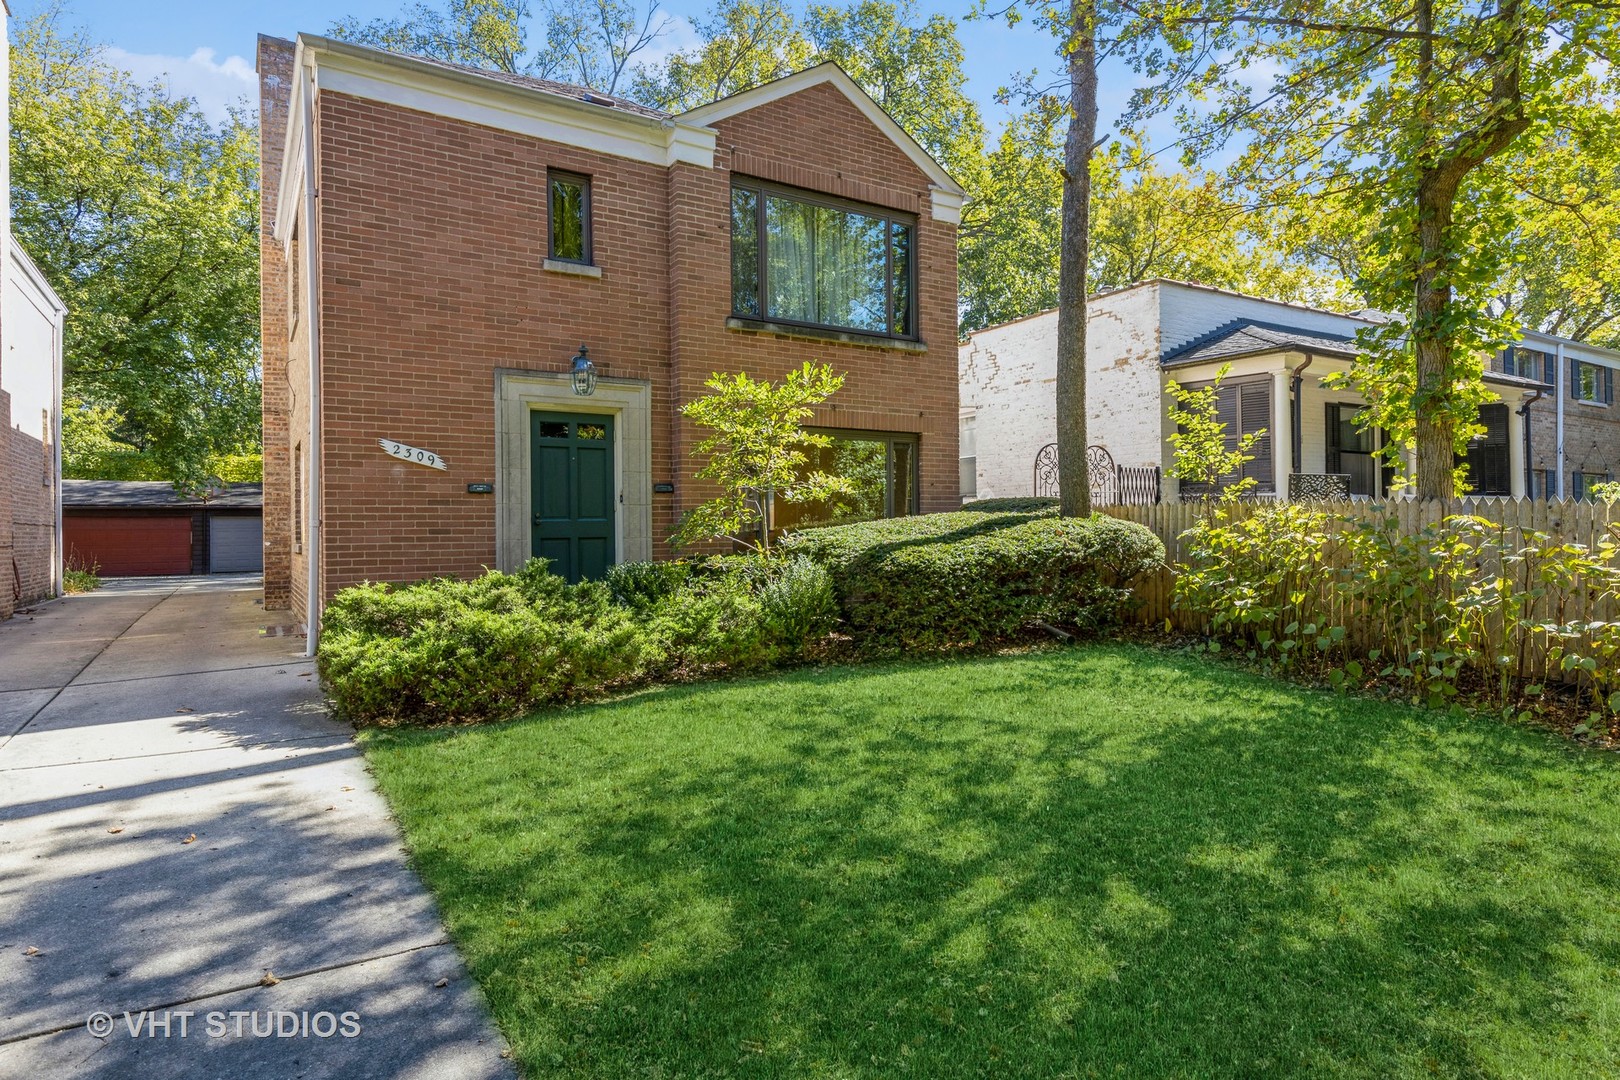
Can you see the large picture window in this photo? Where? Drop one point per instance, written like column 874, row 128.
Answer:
column 813, row 262
column 881, row 468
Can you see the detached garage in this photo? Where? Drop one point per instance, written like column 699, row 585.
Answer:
column 141, row 528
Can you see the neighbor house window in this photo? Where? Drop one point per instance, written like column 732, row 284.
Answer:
column 968, row 452
column 881, row 469
column 812, row 261
column 1527, row 363
column 1591, row 382
column 1489, row 457
column 1243, row 405
column 1582, row 483
column 298, row 497
column 569, row 207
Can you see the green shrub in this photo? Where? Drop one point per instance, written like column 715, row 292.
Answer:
column 1023, row 505
column 491, row 647
column 968, row 577
column 709, row 624
column 799, row 606
column 641, row 585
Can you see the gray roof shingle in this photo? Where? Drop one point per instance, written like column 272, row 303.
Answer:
column 154, row 495
column 1246, row 337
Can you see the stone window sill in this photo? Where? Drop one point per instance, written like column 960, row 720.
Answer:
column 1594, row 404
column 811, row 333
column 573, row 269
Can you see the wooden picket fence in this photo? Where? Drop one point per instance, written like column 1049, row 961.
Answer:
column 1572, row 522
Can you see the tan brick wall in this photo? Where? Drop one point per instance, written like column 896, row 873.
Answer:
column 432, row 233
column 1591, row 438
column 30, row 572
column 275, row 86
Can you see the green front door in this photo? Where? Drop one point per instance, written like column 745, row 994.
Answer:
column 571, row 492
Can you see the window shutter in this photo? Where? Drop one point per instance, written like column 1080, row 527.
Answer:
column 1254, row 406
column 1608, row 386
column 1489, row 470
column 1333, row 448
column 1575, row 379
column 1507, row 360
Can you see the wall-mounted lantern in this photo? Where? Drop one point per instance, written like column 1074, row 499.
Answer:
column 584, row 374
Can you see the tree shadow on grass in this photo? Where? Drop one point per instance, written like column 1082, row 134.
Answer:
column 1090, row 862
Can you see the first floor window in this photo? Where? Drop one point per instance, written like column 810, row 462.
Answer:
column 1489, row 468
column 569, row 208
column 1582, row 483
column 968, row 451
column 817, row 262
column 881, row 468
column 1244, row 406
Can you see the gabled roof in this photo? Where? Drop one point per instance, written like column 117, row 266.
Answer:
column 835, row 76
column 155, row 495
column 1248, row 337
column 549, row 86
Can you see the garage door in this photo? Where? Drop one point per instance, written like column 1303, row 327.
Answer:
column 125, row 545
column 235, row 545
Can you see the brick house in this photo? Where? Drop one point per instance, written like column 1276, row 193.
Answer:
column 31, row 323
column 1552, row 426
column 463, row 233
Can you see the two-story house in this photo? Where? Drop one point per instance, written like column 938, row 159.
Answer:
column 486, row 298
column 1551, row 428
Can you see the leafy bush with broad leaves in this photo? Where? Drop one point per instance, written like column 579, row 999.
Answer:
column 975, row 576
column 1462, row 604
column 447, row 649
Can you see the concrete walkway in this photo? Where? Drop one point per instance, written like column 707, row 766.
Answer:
column 181, row 826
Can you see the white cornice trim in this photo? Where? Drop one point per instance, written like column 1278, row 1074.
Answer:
column 836, row 76
column 468, row 96
column 947, row 205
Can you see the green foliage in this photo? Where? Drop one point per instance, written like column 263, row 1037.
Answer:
column 1406, row 117
column 496, row 646
column 92, row 450
column 756, row 449
column 1608, row 493
column 949, row 580
column 1202, row 459
column 744, row 43
column 80, row 575
column 1462, row 603
column 1014, row 505
column 492, row 647
column 145, row 219
column 585, row 42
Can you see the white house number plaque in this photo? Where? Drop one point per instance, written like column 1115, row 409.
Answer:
column 412, row 453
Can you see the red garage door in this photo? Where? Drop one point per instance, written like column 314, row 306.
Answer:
column 129, row 544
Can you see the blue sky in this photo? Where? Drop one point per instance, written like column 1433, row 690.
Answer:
column 205, row 47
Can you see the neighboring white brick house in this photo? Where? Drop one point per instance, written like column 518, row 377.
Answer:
column 1141, row 337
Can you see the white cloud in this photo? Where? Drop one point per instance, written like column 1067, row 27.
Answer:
column 215, row 83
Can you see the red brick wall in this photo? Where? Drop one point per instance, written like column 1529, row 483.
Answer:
column 432, row 233
column 275, row 86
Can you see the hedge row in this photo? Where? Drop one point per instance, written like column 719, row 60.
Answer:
column 980, row 574
column 504, row 643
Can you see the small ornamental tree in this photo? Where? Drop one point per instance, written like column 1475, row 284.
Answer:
column 756, row 447
column 1201, row 456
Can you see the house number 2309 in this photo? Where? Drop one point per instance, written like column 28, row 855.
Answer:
column 414, row 454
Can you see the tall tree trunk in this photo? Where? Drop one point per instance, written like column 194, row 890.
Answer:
column 1436, row 425
column 1074, row 484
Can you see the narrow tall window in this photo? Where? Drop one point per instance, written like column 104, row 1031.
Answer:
column 298, row 498
column 569, row 208
column 293, row 285
column 968, row 455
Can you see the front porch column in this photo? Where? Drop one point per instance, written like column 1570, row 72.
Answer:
column 1282, row 429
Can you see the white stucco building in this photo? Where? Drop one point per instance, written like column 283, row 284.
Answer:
column 1141, row 337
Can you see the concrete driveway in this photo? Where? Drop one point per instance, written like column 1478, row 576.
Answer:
column 183, row 830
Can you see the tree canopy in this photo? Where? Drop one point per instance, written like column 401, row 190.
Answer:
column 144, row 216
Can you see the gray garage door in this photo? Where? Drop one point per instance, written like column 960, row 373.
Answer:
column 235, row 545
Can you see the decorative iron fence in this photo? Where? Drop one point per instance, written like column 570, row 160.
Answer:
column 1111, row 485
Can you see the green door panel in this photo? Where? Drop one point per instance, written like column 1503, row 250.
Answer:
column 572, row 493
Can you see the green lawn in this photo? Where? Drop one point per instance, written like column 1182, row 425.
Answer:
column 1102, row 861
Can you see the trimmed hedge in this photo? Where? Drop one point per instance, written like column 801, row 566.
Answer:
column 972, row 576
column 502, row 644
